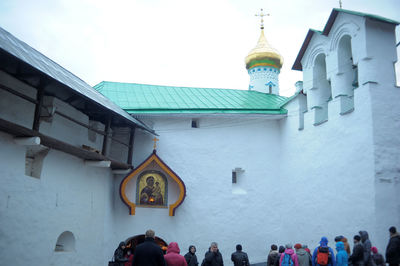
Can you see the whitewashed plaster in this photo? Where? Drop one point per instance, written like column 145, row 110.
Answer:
column 69, row 196
column 204, row 159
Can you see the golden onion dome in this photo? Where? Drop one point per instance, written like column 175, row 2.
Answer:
column 263, row 54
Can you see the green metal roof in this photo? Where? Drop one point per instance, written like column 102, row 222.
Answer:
column 153, row 99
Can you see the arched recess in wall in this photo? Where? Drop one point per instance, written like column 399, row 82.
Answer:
column 347, row 79
column 65, row 242
column 323, row 90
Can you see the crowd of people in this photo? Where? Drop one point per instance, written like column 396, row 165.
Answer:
column 149, row 253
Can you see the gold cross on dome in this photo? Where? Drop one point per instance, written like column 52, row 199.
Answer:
column 155, row 142
column 262, row 15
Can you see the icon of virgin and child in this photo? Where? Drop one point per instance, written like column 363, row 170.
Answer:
column 151, row 194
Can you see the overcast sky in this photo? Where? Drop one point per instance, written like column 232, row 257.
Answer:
column 199, row 43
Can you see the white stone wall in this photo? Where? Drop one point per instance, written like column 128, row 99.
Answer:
column 375, row 108
column 204, row 158
column 68, row 195
column 329, row 170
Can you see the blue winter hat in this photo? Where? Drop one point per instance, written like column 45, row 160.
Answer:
column 324, row 241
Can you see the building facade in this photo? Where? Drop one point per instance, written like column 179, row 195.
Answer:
column 257, row 168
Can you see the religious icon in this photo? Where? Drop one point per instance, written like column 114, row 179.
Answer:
column 152, row 189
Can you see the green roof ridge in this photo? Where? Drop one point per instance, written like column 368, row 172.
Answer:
column 148, row 98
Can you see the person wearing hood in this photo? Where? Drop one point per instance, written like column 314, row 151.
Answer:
column 288, row 257
column 393, row 248
column 148, row 253
column 306, row 249
column 173, row 258
column 367, row 248
column 357, row 258
column 303, row 256
column 239, row 257
column 278, row 258
column 273, row 255
column 213, row 257
column 119, row 254
column 341, row 257
column 323, row 255
column 345, row 242
column 190, row 257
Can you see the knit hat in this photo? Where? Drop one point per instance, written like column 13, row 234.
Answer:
column 297, row 246
column 288, row 245
column 374, row 250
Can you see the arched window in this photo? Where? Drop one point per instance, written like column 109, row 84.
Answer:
column 323, row 90
column 65, row 242
column 347, row 75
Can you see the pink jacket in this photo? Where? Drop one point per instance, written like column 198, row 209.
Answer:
column 172, row 258
column 292, row 255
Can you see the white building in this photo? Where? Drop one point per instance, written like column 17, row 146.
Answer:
column 248, row 167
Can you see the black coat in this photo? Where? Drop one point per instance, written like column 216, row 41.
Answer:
column 357, row 258
column 272, row 257
column 240, row 258
column 148, row 254
column 191, row 259
column 393, row 250
column 119, row 255
column 213, row 259
column 277, row 259
column 378, row 259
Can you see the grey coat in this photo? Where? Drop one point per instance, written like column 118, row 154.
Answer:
column 304, row 257
column 367, row 248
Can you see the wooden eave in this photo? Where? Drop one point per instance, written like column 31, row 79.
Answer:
column 21, row 131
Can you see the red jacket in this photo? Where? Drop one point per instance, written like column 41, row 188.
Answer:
column 130, row 259
column 172, row 258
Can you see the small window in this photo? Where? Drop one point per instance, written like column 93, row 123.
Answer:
column 238, row 181
column 195, row 123
column 234, row 177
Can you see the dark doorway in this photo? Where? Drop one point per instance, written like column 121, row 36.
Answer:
column 133, row 241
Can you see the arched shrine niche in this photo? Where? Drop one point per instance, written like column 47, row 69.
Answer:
column 153, row 184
